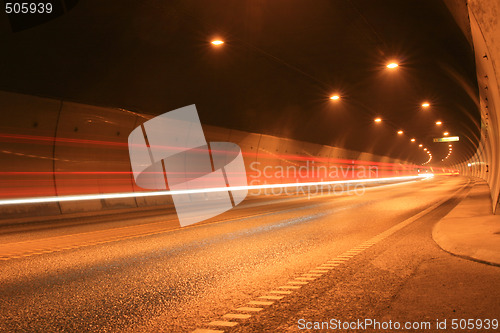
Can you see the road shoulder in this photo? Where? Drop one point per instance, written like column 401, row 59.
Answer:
column 470, row 230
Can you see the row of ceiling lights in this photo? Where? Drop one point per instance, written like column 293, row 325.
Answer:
column 378, row 120
column 450, row 150
column 392, row 65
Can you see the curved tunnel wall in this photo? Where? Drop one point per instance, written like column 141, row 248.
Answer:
column 485, row 31
column 55, row 148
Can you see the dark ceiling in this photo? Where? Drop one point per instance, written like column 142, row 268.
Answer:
column 281, row 61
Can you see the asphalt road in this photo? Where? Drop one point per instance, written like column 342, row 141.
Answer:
column 343, row 257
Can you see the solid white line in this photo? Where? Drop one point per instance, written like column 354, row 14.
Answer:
column 194, row 191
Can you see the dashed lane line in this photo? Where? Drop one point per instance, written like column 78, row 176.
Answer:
column 223, row 323
column 282, row 292
column 236, row 316
column 297, row 282
column 249, row 309
column 260, row 303
column 272, row 297
column 289, row 287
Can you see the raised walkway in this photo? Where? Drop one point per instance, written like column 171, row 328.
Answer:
column 470, row 230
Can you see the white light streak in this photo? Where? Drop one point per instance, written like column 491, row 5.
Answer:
column 83, row 197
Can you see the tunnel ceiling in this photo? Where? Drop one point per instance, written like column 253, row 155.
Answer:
column 280, row 63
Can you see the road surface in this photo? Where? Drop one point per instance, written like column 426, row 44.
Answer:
column 344, row 257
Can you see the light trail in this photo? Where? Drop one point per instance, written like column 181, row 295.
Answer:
column 194, row 191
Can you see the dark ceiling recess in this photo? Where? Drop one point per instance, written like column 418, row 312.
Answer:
column 280, row 63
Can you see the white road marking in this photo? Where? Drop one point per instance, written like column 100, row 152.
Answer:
column 203, row 330
column 260, row 303
column 236, row 316
column 272, row 297
column 249, row 309
column 223, row 323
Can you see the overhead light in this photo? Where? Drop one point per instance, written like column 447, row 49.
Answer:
column 412, row 140
column 400, row 132
column 335, row 97
column 378, row 120
column 439, row 122
column 425, row 105
column 217, row 42
column 446, row 133
column 392, row 65
column 420, row 145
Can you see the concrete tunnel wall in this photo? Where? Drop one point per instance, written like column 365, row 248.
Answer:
column 54, row 148
column 485, row 31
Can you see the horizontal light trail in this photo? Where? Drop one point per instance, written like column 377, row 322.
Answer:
column 194, row 191
column 32, row 139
